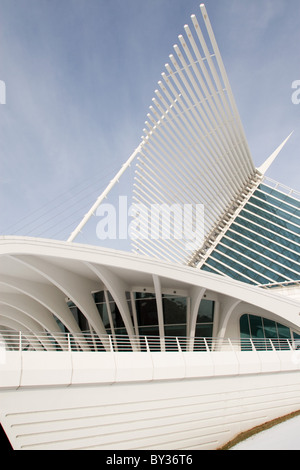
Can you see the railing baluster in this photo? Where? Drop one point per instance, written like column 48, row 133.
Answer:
column 206, row 345
column 111, row 343
column 20, row 341
column 120, row 343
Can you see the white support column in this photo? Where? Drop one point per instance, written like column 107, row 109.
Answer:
column 48, row 299
column 117, row 289
column 20, row 332
column 196, row 294
column 160, row 313
column 228, row 306
column 30, row 308
column 135, row 320
column 77, row 288
column 31, row 327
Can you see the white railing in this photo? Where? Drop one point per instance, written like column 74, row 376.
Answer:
column 275, row 285
column 281, row 187
column 86, row 341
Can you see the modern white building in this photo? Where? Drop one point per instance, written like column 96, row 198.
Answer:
column 192, row 338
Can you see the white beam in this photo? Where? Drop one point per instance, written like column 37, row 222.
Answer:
column 103, row 195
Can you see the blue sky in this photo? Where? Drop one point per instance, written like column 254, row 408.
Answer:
column 80, row 76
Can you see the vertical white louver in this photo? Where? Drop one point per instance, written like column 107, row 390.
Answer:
column 194, row 150
column 193, row 156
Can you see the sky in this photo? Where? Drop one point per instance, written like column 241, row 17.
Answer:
column 79, row 77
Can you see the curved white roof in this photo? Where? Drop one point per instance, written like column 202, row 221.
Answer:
column 38, row 276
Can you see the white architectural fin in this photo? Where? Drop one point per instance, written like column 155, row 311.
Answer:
column 266, row 165
column 195, row 150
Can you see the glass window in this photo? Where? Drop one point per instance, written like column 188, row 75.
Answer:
column 79, row 317
column 245, row 333
column 102, row 309
column 206, row 311
column 118, row 323
column 283, row 331
column 256, row 327
column 99, row 297
column 174, row 309
column 117, row 319
column 259, row 329
column 279, row 195
column 151, row 330
column 260, row 234
column 128, row 298
column 205, row 318
column 238, row 268
column 270, row 328
column 270, row 222
column 245, row 327
column 203, row 331
column 146, row 311
column 262, row 253
column 296, row 339
column 257, row 332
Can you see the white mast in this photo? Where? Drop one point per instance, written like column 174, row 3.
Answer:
column 266, row 165
column 100, row 199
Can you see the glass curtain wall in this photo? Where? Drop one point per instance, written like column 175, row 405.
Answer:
column 262, row 244
column 146, row 311
column 265, row 334
column 175, row 315
column 144, row 314
column 205, row 319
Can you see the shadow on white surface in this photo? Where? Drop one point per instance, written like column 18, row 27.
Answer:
column 283, row 436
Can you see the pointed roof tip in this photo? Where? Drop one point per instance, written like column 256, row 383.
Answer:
column 266, row 165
